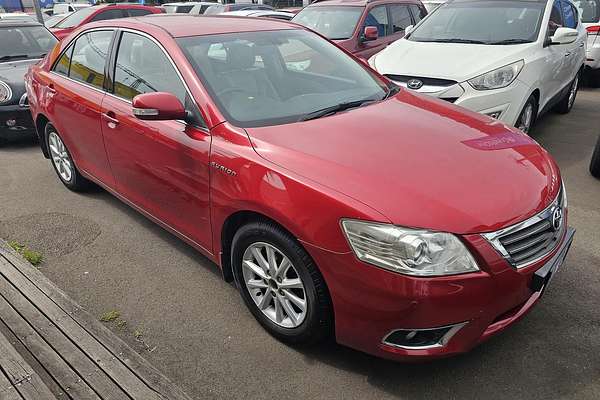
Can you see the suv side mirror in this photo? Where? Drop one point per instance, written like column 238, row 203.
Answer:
column 409, row 29
column 158, row 106
column 370, row 33
column 564, row 36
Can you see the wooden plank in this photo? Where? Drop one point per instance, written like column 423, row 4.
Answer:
column 7, row 390
column 71, row 372
column 21, row 375
column 119, row 349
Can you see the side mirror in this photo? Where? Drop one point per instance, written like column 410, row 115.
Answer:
column 409, row 29
column 564, row 36
column 158, row 106
column 370, row 33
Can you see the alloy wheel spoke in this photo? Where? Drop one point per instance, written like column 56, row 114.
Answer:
column 67, row 171
column 284, row 265
column 300, row 303
column 265, row 301
column 289, row 311
column 255, row 269
column 279, row 314
column 295, row 283
column 272, row 261
column 260, row 259
column 256, row 284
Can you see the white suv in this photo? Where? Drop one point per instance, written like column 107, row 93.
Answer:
column 509, row 59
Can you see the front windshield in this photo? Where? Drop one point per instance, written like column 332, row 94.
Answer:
column 277, row 77
column 589, row 10
column 76, row 18
column 484, row 22
column 216, row 9
column 335, row 23
column 25, row 42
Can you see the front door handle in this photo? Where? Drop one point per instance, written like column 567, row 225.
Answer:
column 581, row 44
column 111, row 121
column 568, row 54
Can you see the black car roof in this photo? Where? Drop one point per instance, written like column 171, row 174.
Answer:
column 8, row 23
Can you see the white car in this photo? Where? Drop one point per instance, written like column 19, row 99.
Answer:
column 590, row 16
column 63, row 8
column 283, row 15
column 182, row 7
column 200, row 7
column 431, row 5
column 511, row 60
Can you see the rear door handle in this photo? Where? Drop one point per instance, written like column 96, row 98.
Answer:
column 581, row 44
column 568, row 54
column 111, row 121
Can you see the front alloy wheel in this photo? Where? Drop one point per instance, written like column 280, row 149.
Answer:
column 528, row 115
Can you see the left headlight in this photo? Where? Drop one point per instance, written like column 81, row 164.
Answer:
column 408, row 251
column 498, row 78
column 5, row 92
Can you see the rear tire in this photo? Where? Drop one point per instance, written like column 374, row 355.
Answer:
column 292, row 303
column 63, row 163
column 595, row 162
column 566, row 103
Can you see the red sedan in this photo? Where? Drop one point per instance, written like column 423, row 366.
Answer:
column 100, row 13
column 339, row 203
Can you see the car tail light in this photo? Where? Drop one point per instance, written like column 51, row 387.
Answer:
column 593, row 30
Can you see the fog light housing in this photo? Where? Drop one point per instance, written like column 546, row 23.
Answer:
column 495, row 114
column 417, row 339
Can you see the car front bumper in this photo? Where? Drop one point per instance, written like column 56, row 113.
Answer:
column 16, row 122
column 370, row 303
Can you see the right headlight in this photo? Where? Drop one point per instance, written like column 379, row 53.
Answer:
column 408, row 251
column 498, row 78
column 5, row 92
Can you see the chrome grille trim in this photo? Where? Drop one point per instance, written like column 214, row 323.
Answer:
column 531, row 240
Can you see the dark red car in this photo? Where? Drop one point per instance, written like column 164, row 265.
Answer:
column 100, row 13
column 363, row 27
column 339, row 203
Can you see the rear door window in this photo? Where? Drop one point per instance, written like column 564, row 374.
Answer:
column 89, row 58
column 417, row 12
column 108, row 14
column 137, row 12
column 570, row 16
column 401, row 18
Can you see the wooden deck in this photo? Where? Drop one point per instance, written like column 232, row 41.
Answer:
column 50, row 348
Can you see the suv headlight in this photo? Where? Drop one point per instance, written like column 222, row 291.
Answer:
column 5, row 92
column 408, row 251
column 498, row 78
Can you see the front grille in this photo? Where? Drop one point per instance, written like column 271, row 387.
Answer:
column 528, row 241
column 449, row 99
column 426, row 81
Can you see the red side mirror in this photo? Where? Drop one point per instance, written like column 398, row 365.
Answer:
column 371, row 33
column 158, row 106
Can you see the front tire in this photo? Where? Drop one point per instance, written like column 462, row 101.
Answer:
column 280, row 284
column 528, row 115
column 567, row 102
column 63, row 164
column 595, row 162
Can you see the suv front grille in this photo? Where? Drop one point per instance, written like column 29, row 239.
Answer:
column 529, row 241
column 426, row 81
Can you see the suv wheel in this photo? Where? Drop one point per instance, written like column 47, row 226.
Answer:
column 595, row 163
column 528, row 115
column 280, row 284
column 566, row 104
column 63, row 162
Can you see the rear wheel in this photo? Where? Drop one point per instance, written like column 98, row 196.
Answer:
column 566, row 103
column 63, row 162
column 595, row 163
column 528, row 115
column 280, row 284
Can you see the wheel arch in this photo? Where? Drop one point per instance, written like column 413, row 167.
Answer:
column 40, row 125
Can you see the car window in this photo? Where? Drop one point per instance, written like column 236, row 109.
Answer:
column 142, row 67
column 589, row 10
column 570, row 16
column 108, row 14
column 400, row 18
column 556, row 20
column 25, row 42
column 62, row 65
column 89, row 58
column 417, row 12
column 76, row 18
column 333, row 22
column 378, row 18
column 138, row 12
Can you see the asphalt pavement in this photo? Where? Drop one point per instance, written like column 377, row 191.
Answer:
column 188, row 322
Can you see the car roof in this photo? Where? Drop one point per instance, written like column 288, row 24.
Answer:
column 183, row 25
column 17, row 22
column 356, row 3
column 188, row 3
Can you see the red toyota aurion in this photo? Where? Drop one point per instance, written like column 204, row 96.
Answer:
column 339, row 203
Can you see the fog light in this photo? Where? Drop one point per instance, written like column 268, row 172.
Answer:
column 11, row 123
column 495, row 114
column 422, row 338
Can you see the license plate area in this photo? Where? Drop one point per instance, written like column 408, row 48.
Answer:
column 543, row 276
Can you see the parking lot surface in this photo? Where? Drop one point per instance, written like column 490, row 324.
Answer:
column 194, row 327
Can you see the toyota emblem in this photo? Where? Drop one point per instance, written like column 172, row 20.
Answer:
column 415, row 84
column 556, row 218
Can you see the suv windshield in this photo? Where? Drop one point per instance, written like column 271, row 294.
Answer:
column 76, row 18
column 25, row 42
column 335, row 23
column 278, row 77
column 589, row 10
column 482, row 22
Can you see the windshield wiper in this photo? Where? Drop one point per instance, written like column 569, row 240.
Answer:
column 335, row 109
column 13, row 57
column 456, row 40
column 393, row 89
column 511, row 41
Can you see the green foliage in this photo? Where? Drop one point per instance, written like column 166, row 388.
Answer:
column 34, row 257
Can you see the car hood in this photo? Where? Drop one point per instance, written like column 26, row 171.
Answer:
column 420, row 162
column 454, row 61
column 13, row 73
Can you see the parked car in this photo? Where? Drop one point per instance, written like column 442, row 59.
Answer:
column 182, row 7
column 336, row 200
column 100, row 13
column 200, row 7
column 590, row 16
column 63, row 8
column 16, row 16
column 595, row 162
column 23, row 44
column 363, row 27
column 222, row 8
column 511, row 60
column 432, row 5
column 52, row 21
column 286, row 16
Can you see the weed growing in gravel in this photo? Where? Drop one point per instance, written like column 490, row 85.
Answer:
column 110, row 316
column 121, row 324
column 34, row 257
